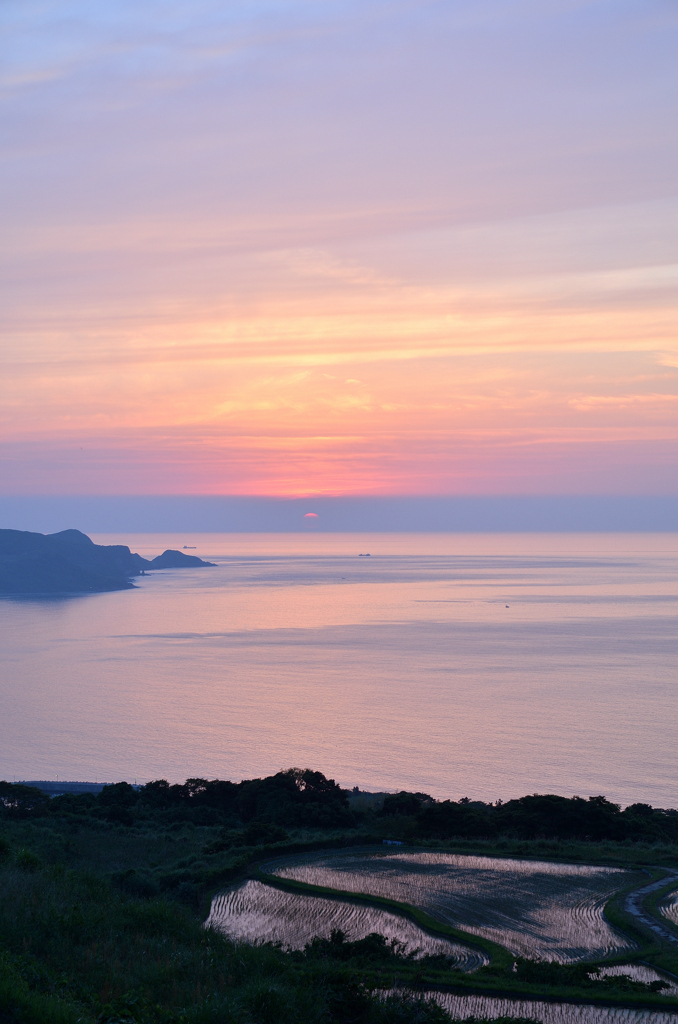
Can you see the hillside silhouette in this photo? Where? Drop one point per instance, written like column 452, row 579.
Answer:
column 69, row 562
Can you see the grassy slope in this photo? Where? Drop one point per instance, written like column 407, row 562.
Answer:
column 78, row 950
column 651, row 904
column 662, row 956
column 80, row 945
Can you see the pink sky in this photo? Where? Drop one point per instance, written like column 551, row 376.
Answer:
column 321, row 248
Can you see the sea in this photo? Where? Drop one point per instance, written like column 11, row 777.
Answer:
column 486, row 666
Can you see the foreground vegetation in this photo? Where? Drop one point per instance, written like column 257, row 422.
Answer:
column 102, row 899
column 306, row 799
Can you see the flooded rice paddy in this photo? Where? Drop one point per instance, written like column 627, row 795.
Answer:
column 463, row 1007
column 255, row 912
column 669, row 907
column 639, row 972
column 538, row 909
column 535, row 909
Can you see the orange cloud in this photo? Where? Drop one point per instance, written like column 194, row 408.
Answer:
column 312, row 256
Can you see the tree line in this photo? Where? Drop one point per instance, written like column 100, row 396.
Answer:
column 302, row 798
column 540, row 816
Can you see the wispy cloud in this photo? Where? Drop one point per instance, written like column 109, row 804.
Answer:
column 284, row 247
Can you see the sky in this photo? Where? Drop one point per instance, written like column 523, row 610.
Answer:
column 318, row 248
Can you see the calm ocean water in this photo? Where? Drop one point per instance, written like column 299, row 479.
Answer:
column 481, row 665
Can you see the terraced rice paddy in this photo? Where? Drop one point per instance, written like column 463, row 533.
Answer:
column 463, row 1007
column 255, row 912
column 638, row 972
column 536, row 909
column 669, row 907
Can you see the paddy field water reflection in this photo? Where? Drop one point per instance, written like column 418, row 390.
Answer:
column 481, row 665
column 254, row 912
column 642, row 973
column 463, row 1007
column 669, row 907
column 540, row 910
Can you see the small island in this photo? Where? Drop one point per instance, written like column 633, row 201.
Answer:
column 69, row 562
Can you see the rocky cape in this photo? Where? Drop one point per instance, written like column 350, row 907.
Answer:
column 70, row 563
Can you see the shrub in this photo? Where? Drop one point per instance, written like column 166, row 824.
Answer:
column 27, row 860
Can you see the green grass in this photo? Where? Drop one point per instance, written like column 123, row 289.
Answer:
column 651, row 905
column 663, row 956
column 606, row 853
column 627, row 924
column 77, row 949
column 20, row 1003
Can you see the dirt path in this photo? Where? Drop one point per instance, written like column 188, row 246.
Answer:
column 633, row 904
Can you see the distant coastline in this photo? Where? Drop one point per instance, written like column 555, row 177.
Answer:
column 69, row 562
